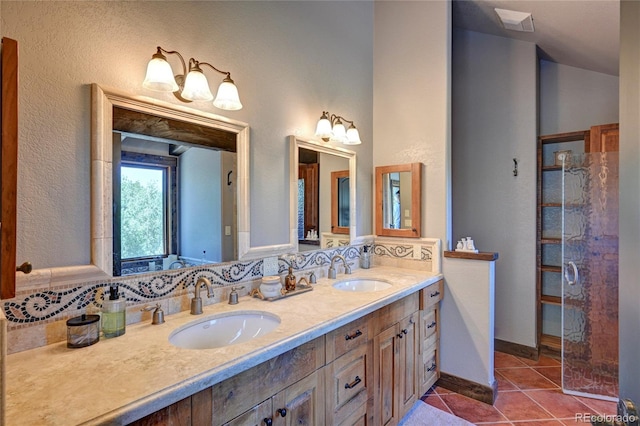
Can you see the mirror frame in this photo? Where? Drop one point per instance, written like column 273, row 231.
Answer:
column 102, row 102
column 416, row 200
column 296, row 142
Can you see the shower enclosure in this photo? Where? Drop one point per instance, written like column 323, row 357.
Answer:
column 590, row 275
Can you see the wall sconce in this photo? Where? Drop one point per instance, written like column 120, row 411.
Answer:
column 330, row 127
column 192, row 86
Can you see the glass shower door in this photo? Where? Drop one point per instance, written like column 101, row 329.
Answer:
column 590, row 275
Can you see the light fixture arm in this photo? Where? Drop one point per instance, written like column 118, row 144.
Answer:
column 331, row 127
column 335, row 118
column 172, row 52
column 197, row 64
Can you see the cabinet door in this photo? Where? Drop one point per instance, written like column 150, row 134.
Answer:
column 604, row 138
column 260, row 415
column 302, row 403
column 385, row 362
column 407, row 352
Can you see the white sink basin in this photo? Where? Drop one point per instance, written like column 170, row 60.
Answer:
column 361, row 284
column 220, row 330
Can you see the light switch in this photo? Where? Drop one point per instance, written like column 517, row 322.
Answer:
column 407, row 213
column 407, row 223
column 227, row 230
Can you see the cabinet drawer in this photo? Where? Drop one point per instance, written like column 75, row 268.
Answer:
column 429, row 329
column 346, row 378
column 346, row 338
column 431, row 295
column 430, row 368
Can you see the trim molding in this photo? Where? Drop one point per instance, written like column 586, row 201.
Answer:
column 516, row 349
column 486, row 394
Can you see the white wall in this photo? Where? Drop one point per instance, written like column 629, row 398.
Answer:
column 494, row 102
column 575, row 99
column 411, row 101
column 629, row 290
column 200, row 210
column 290, row 61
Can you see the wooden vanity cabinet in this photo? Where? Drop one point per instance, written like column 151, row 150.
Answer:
column 395, row 343
column 367, row 372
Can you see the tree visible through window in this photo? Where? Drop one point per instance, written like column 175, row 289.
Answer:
column 142, row 211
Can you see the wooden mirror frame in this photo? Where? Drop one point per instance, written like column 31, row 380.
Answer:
column 416, row 200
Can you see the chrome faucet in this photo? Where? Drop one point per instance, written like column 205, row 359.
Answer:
column 196, row 302
column 332, row 270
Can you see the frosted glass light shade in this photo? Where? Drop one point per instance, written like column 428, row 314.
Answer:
column 323, row 129
column 160, row 76
column 227, row 96
column 339, row 132
column 353, row 137
column 196, row 87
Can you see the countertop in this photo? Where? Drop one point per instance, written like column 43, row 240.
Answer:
column 122, row 379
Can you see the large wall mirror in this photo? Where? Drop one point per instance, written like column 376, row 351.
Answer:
column 398, row 200
column 322, row 195
column 183, row 172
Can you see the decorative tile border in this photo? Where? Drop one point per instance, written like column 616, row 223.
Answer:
column 37, row 306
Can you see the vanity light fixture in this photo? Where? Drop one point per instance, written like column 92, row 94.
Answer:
column 330, row 127
column 191, row 86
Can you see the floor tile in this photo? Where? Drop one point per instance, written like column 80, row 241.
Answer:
column 599, row 406
column 552, row 373
column 441, row 391
column 527, row 378
column 502, row 360
column 472, row 410
column 538, row 423
column 518, row 406
column 434, row 400
column 558, row 403
column 504, row 385
column 542, row 361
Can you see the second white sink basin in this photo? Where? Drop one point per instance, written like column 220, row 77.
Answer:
column 361, row 284
column 215, row 331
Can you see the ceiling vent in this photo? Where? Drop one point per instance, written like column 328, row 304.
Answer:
column 516, row 21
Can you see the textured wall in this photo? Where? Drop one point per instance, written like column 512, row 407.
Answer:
column 290, row 61
column 575, row 99
column 411, row 104
column 493, row 121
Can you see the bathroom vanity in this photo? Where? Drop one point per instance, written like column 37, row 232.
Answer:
column 337, row 357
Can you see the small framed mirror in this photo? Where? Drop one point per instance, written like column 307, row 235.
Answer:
column 398, row 200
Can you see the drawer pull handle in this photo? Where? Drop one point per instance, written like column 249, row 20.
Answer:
column 268, row 421
column 353, row 384
column 400, row 335
column 282, row 412
column 433, row 367
column 434, row 294
column 433, row 324
column 358, row 333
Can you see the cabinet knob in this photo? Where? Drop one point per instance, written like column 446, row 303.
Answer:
column 400, row 335
column 405, row 331
column 268, row 421
column 282, row 412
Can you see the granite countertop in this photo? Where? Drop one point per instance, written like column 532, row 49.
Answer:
column 122, row 379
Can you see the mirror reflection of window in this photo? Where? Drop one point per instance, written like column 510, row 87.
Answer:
column 301, row 234
column 343, row 201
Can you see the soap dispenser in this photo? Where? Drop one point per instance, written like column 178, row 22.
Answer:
column 114, row 314
column 290, row 280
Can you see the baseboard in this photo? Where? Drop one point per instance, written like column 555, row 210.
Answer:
column 515, row 349
column 486, row 394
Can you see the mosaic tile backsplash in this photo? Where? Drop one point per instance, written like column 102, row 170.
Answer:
column 38, row 317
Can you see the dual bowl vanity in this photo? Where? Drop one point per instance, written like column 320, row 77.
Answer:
column 236, row 363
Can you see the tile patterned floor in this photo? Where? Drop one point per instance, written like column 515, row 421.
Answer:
column 528, row 394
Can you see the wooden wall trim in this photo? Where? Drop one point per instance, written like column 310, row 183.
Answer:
column 516, row 349
column 486, row 394
column 9, row 168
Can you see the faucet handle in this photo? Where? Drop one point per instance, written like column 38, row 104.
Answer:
column 347, row 268
column 312, row 277
column 233, row 296
column 158, row 313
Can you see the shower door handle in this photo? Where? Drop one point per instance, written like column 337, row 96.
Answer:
column 576, row 275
